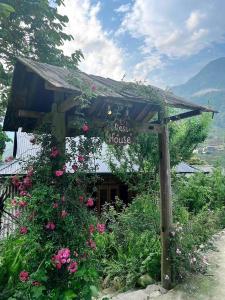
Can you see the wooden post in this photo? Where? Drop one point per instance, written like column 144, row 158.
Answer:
column 166, row 202
column 59, row 122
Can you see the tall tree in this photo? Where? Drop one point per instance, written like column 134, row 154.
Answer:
column 34, row 30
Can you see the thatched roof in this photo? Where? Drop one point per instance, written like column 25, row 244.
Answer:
column 35, row 84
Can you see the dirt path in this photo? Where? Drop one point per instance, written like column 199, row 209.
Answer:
column 210, row 287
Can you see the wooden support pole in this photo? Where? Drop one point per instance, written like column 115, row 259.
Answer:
column 165, row 203
column 59, row 122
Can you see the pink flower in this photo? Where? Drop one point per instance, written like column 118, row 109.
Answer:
column 50, row 226
column 75, row 254
column 24, row 276
column 90, row 202
column 17, row 214
column 24, row 193
column 75, row 167
column 22, row 203
column 54, row 152
column 13, row 202
column 91, row 244
column 30, row 172
column 73, row 266
column 64, row 213
column 15, row 181
column 23, row 230
column 91, row 229
column 101, row 228
column 85, row 128
column 81, row 158
column 62, row 257
column 9, row 159
column 81, row 198
column 55, row 205
column 27, row 182
column 59, row 173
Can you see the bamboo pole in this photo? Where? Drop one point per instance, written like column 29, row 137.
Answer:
column 166, row 202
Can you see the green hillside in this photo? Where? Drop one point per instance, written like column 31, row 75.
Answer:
column 207, row 88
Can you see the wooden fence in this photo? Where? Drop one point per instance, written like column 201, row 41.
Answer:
column 7, row 224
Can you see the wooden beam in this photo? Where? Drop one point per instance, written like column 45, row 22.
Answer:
column 30, row 114
column 183, row 115
column 68, row 104
column 165, row 203
column 142, row 113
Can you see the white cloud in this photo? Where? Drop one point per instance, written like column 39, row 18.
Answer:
column 123, row 8
column 194, row 20
column 102, row 56
column 176, row 28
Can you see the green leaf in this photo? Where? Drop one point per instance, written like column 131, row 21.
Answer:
column 94, row 291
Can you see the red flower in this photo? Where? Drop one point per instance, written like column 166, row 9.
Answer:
column 90, row 202
column 9, row 159
column 101, row 228
column 55, row 205
column 17, row 214
column 90, row 243
column 15, row 181
column 30, row 172
column 23, row 230
column 81, row 158
column 59, row 173
column 91, row 229
column 27, row 182
column 24, row 276
column 64, row 213
column 22, row 203
column 54, row 152
column 50, row 226
column 85, row 128
column 81, row 198
column 75, row 167
column 73, row 266
column 13, row 202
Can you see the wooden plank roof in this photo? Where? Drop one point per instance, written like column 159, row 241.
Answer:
column 34, row 84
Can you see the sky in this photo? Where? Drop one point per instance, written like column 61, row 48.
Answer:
column 161, row 42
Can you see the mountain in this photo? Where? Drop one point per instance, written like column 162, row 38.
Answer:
column 207, row 88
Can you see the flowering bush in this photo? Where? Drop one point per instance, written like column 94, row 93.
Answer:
column 51, row 254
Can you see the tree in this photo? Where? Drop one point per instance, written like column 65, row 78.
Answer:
column 34, row 30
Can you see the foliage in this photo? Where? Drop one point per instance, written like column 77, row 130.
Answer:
column 3, row 139
column 142, row 157
column 189, row 240
column 131, row 247
column 50, row 256
column 5, row 10
column 33, row 30
column 200, row 190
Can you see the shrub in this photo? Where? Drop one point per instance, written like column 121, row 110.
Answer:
column 131, row 247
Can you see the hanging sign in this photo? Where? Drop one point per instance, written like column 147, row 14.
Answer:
column 120, row 133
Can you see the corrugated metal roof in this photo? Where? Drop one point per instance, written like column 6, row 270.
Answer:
column 184, row 168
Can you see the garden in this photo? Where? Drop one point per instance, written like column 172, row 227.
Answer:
column 62, row 249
